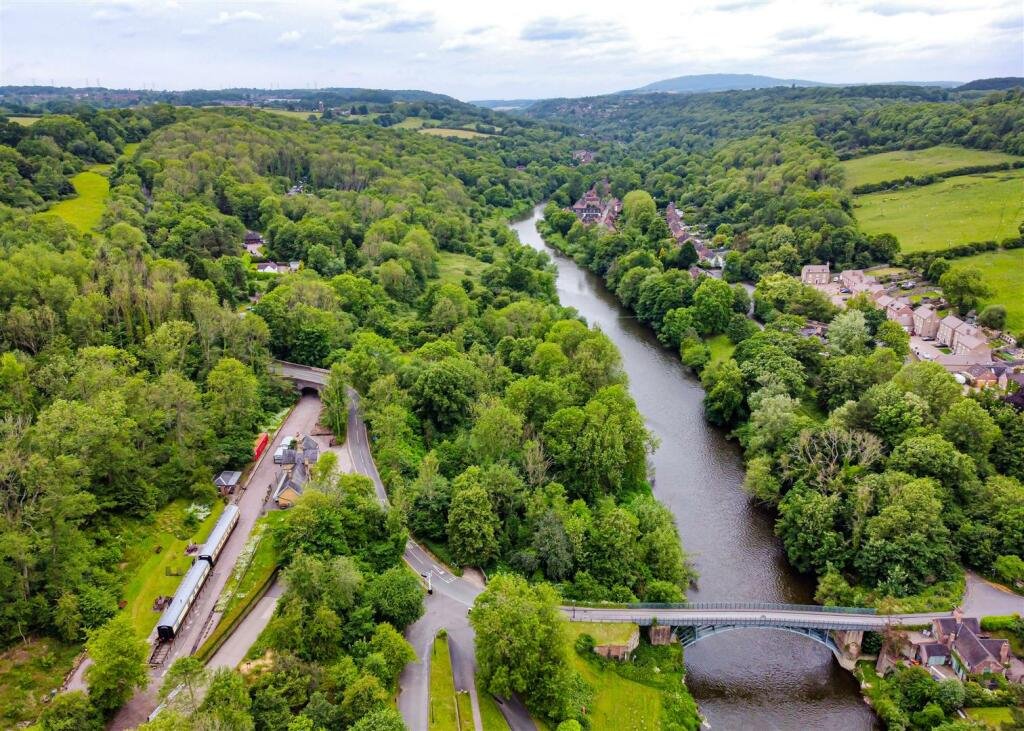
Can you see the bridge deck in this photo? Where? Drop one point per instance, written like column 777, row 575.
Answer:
column 809, row 618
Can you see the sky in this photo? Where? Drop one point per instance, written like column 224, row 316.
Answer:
column 480, row 49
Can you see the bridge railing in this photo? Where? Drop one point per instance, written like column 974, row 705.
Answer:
column 754, row 606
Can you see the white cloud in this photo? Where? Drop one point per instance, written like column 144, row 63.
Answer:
column 224, row 17
column 289, row 37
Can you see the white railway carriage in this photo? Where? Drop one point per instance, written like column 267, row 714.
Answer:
column 177, row 610
column 219, row 535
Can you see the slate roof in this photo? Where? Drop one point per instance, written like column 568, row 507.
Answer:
column 227, row 479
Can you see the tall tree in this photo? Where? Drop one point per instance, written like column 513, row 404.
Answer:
column 118, row 664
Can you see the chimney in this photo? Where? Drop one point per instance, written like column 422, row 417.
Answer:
column 958, row 615
column 1004, row 653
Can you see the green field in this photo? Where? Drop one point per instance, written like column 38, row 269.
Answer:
column 606, row 633
column 954, row 211
column 721, row 348
column 85, row 210
column 618, row 703
column 27, row 121
column 155, row 549
column 28, row 672
column 452, row 267
column 410, row 123
column 450, row 132
column 993, row 718
column 443, row 716
column 901, row 163
column 294, row 114
column 1004, row 273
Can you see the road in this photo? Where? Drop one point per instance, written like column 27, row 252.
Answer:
column 447, row 607
column 232, row 652
column 983, row 598
column 202, row 618
column 763, row 616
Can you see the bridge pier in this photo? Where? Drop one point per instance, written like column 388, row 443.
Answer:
column 849, row 642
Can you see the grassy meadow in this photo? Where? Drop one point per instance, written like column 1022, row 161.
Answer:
column 954, row 211
column 452, row 267
column 1004, row 273
column 900, row 163
column 85, row 209
column 465, row 134
column 26, row 121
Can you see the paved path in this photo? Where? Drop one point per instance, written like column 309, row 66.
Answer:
column 201, row 619
column 232, row 652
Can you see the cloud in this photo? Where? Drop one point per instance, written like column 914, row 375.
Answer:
column 795, row 34
column 383, row 18
column 224, row 17
column 890, row 8
column 1010, row 22
column 554, row 29
column 289, row 37
column 730, row 6
column 830, row 45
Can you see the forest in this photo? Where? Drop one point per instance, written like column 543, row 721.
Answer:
column 135, row 365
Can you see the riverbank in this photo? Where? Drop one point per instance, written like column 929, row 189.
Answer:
column 743, row 678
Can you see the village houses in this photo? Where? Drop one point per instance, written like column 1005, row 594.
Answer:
column 296, row 456
column 593, row 209
column 682, row 233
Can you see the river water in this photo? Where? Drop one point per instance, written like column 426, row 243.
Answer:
column 744, row 679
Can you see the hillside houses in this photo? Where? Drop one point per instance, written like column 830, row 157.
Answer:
column 682, row 233
column 593, row 209
column 949, row 341
column 296, row 456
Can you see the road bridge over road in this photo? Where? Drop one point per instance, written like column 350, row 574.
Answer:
column 303, row 376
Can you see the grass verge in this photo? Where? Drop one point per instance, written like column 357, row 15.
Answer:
column 490, row 712
column 252, row 574
column 443, row 714
column 993, row 718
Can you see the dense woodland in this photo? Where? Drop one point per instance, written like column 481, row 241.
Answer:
column 133, row 368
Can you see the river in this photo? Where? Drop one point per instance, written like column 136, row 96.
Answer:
column 744, row 679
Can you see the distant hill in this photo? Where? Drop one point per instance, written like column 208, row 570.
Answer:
column 701, row 83
column 1000, row 83
column 704, row 83
column 504, row 105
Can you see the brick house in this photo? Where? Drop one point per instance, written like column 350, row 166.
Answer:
column 926, row 322
column 969, row 650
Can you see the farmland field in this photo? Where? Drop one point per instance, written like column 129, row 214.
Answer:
column 898, row 164
column 85, row 209
column 452, row 267
column 293, row 113
column 1003, row 271
column 27, row 121
column 465, row 134
column 954, row 211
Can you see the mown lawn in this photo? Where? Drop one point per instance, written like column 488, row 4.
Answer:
column 452, row 267
column 443, row 716
column 85, row 209
column 992, row 717
column 148, row 569
column 28, row 672
column 1004, row 273
column 619, row 704
column 954, row 211
column 451, row 132
column 900, row 163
